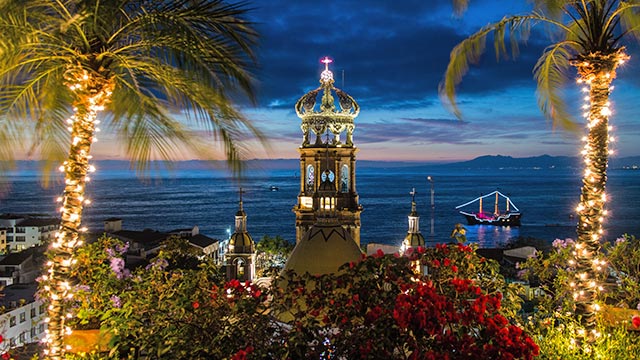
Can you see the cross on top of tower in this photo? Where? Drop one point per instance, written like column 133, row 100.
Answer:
column 413, row 194
column 326, row 61
column 326, row 77
column 240, row 193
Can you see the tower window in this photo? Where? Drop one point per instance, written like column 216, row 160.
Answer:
column 240, row 268
column 310, row 178
column 344, row 178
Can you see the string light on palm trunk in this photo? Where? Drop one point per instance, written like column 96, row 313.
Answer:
column 91, row 95
column 596, row 71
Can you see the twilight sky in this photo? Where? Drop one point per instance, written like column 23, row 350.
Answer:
column 393, row 55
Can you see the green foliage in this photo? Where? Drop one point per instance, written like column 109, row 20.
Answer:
column 271, row 255
column 100, row 278
column 623, row 257
column 555, row 336
column 187, row 313
column 553, row 325
column 180, row 254
column 551, row 273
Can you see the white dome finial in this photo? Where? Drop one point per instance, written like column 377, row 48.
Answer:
column 327, row 75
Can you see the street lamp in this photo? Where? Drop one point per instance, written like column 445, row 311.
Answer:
column 433, row 206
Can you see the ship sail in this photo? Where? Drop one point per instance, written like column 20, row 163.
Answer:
column 511, row 216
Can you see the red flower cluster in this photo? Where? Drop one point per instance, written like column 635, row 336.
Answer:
column 635, row 320
column 243, row 354
column 469, row 326
column 464, row 248
column 235, row 290
column 442, row 248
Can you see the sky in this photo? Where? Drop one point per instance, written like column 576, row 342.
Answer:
column 392, row 55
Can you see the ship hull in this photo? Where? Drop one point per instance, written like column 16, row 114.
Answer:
column 510, row 219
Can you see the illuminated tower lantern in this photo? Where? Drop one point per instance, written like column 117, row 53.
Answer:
column 327, row 152
column 242, row 250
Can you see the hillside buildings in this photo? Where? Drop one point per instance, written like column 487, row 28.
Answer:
column 19, row 232
column 146, row 243
column 23, row 319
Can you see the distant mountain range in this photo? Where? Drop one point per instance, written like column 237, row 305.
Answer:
column 542, row 162
column 481, row 162
column 500, row 161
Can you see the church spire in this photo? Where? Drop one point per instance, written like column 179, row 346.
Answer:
column 240, row 258
column 414, row 238
column 241, row 216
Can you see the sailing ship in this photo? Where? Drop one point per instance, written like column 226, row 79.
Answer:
column 510, row 217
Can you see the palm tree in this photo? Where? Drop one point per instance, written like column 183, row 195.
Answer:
column 590, row 34
column 140, row 61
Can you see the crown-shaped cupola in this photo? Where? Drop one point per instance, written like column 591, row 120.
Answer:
column 328, row 118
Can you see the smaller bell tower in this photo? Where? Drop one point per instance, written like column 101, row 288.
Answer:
column 414, row 238
column 241, row 257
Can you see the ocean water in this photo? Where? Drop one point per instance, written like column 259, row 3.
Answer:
column 546, row 197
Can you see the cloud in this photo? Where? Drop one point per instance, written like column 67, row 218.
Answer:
column 392, row 54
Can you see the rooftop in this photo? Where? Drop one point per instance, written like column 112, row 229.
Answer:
column 16, row 292
column 17, row 258
column 201, row 240
column 39, row 222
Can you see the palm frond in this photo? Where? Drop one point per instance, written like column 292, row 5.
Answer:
column 553, row 9
column 11, row 134
column 629, row 12
column 177, row 38
column 165, row 57
column 460, row 6
column 206, row 108
column 551, row 73
column 470, row 50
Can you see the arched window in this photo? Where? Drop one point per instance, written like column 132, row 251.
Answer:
column 310, row 178
column 344, row 178
column 239, row 268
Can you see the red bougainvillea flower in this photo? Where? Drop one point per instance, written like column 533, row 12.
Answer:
column 635, row 320
column 242, row 354
column 1, row 339
column 6, row 356
column 195, row 304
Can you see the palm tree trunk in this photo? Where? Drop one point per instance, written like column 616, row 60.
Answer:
column 597, row 71
column 90, row 99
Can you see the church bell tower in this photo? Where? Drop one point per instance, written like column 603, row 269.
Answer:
column 327, row 160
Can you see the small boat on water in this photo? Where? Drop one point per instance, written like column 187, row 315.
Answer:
column 274, row 188
column 510, row 217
